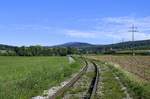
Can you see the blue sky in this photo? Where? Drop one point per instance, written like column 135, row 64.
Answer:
column 50, row 22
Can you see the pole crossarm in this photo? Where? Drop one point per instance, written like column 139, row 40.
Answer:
column 133, row 29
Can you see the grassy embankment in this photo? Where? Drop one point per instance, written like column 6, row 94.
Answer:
column 25, row 77
column 109, row 87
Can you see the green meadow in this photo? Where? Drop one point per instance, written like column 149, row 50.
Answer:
column 25, row 77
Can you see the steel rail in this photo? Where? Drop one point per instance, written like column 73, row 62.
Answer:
column 93, row 86
column 69, row 84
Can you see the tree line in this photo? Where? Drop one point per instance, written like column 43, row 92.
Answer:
column 39, row 51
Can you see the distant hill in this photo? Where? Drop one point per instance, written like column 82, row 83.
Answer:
column 142, row 44
column 6, row 47
column 75, row 45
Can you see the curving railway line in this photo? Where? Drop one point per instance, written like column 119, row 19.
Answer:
column 91, row 88
column 94, row 83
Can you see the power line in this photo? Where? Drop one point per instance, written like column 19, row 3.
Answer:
column 133, row 30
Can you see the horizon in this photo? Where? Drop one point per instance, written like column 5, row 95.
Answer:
column 49, row 23
column 71, row 42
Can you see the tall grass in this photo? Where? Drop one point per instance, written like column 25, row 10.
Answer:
column 137, row 87
column 25, row 77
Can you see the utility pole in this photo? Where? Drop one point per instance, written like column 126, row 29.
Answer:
column 122, row 40
column 133, row 29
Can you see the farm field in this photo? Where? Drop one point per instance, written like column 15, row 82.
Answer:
column 137, row 52
column 138, row 65
column 25, row 77
column 131, row 72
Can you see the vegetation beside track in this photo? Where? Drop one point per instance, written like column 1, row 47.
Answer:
column 80, row 88
column 109, row 87
column 25, row 77
column 135, row 86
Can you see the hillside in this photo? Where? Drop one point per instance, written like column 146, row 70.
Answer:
column 6, row 47
column 91, row 48
column 75, row 45
column 142, row 44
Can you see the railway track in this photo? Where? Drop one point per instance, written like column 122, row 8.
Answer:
column 89, row 69
column 94, row 84
column 91, row 86
column 61, row 91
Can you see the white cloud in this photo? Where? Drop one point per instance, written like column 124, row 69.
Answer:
column 120, row 26
column 116, row 28
column 80, row 34
column 108, row 28
column 143, row 22
column 141, row 36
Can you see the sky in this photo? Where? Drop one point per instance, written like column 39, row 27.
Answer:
column 51, row 22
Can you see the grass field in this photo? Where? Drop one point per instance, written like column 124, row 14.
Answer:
column 25, row 77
